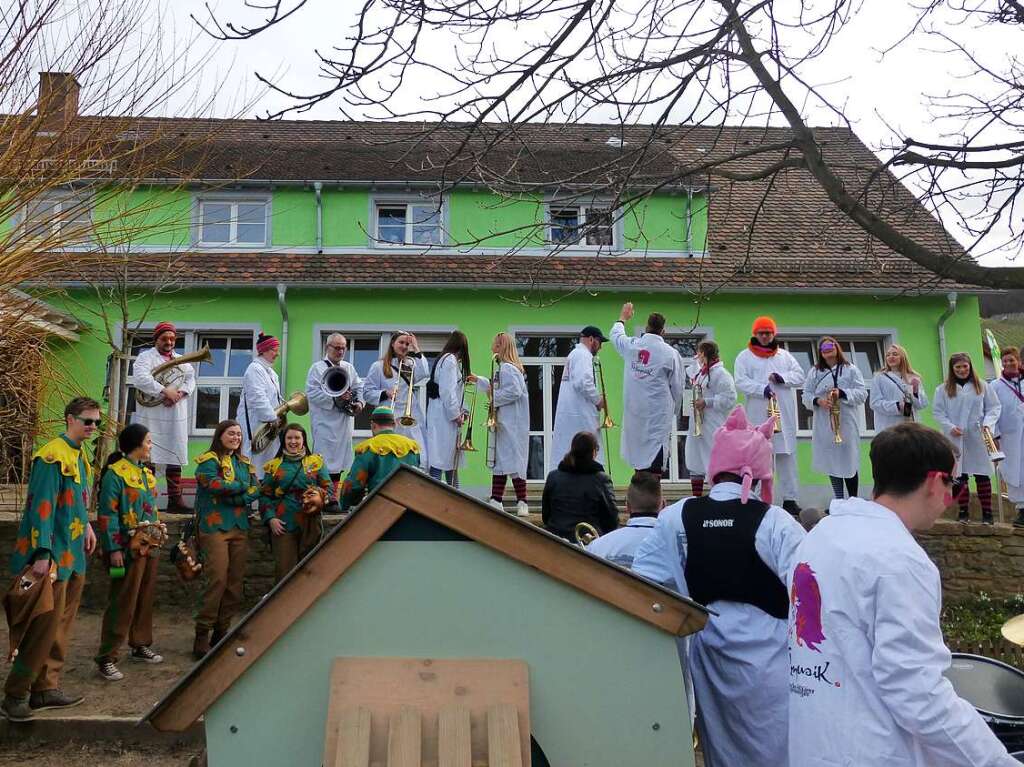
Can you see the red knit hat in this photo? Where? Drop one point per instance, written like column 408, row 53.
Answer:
column 763, row 323
column 161, row 328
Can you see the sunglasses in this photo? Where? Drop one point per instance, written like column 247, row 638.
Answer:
column 946, row 477
column 89, row 421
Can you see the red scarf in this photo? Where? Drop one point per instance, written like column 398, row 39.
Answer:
column 764, row 352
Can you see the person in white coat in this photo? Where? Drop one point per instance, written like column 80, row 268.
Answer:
column 1009, row 388
column 866, row 684
column 653, row 384
column 731, row 551
column 333, row 418
column 764, row 370
column 963, row 405
column 834, row 380
column 579, row 400
column 717, row 399
column 643, row 503
column 383, row 385
column 168, row 421
column 897, row 394
column 509, row 443
column 261, row 394
column 446, row 411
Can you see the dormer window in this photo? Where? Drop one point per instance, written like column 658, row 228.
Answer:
column 580, row 225
column 61, row 217
column 240, row 221
column 408, row 222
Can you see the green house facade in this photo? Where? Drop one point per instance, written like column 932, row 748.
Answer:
column 300, row 229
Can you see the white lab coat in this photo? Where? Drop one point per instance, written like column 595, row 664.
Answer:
column 512, row 438
column 376, row 384
column 720, row 398
column 841, row 460
column 888, row 393
column 968, row 410
column 619, row 546
column 652, row 390
column 867, row 654
column 167, row 425
column 738, row 662
column 752, row 374
column 261, row 394
column 577, row 405
column 1010, row 430
column 443, row 414
column 331, row 428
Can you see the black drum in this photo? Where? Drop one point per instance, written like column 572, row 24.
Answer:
column 996, row 690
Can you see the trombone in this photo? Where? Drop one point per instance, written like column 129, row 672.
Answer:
column 406, row 419
column 607, row 423
column 492, row 413
column 698, row 415
column 465, row 444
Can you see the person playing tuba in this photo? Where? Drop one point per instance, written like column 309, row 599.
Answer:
column 261, row 395
column 331, row 417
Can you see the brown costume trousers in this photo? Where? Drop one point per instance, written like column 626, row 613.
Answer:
column 289, row 548
column 129, row 612
column 43, row 648
column 224, row 567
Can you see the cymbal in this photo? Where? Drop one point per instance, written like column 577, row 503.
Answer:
column 1013, row 630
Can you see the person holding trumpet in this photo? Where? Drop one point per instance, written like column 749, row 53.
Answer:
column 394, row 380
column 508, row 423
column 834, row 392
column 580, row 400
column 714, row 397
column 446, row 408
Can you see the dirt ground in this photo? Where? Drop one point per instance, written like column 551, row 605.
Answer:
column 100, row 755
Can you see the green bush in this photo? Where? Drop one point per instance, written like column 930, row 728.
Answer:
column 978, row 619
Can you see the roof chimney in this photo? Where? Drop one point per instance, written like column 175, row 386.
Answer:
column 58, row 98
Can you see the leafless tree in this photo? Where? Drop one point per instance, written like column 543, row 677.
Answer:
column 670, row 67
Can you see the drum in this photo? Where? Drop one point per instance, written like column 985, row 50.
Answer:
column 996, row 690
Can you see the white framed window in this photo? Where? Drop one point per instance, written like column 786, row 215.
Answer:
column 543, row 356
column 62, row 216
column 590, row 225
column 417, row 222
column 242, row 221
column 686, row 346
column 864, row 352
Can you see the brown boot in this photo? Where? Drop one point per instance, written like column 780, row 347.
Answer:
column 201, row 645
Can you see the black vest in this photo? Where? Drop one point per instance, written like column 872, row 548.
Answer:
column 721, row 560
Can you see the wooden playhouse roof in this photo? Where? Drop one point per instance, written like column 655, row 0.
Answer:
column 408, row 490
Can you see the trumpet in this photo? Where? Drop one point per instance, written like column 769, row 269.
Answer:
column 698, row 415
column 835, row 416
column 775, row 413
column 492, row 413
column 607, row 423
column 994, row 453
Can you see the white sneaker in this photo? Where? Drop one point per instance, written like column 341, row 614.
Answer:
column 496, row 504
column 522, row 509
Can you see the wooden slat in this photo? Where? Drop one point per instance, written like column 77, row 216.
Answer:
column 269, row 620
column 404, row 738
column 353, row 739
column 518, row 540
column 454, row 745
column 503, row 737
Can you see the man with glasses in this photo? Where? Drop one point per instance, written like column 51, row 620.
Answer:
column 768, row 375
column 866, row 654
column 54, row 539
column 333, row 418
column 168, row 421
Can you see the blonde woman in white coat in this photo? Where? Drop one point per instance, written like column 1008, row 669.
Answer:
column 718, row 398
column 896, row 391
column 383, row 384
column 509, row 448
column 446, row 408
column 1009, row 388
column 832, row 379
column 963, row 404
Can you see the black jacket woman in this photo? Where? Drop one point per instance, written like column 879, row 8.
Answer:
column 579, row 491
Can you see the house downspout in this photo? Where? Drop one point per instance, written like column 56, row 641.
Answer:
column 689, row 221
column 282, row 289
column 318, row 188
column 951, row 297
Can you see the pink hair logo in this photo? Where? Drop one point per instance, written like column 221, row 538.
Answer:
column 644, row 356
column 805, row 597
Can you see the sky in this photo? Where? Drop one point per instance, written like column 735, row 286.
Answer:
column 877, row 92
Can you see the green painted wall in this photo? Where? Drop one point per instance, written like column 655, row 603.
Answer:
column 293, row 218
column 599, row 679
column 346, row 217
column 145, row 216
column 481, row 314
column 660, row 224
column 475, row 215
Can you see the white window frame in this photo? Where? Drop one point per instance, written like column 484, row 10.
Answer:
column 848, row 341
column 233, row 200
column 386, row 200
column 61, row 199
column 582, row 207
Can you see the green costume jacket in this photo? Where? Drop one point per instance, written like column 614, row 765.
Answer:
column 224, row 489
column 284, row 481
column 56, row 510
column 127, row 498
column 374, row 460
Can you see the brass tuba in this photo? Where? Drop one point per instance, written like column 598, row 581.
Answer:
column 268, row 432
column 169, row 374
column 584, row 533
